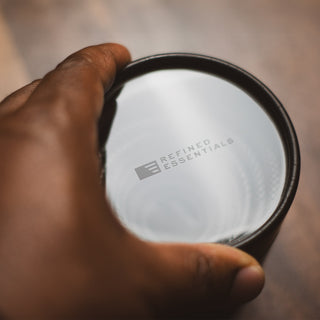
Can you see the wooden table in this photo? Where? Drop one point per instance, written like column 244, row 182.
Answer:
column 278, row 41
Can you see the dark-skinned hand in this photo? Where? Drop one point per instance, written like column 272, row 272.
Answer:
column 63, row 252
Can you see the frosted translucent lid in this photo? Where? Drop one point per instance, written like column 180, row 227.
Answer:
column 192, row 158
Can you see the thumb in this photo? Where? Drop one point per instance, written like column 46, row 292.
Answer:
column 204, row 278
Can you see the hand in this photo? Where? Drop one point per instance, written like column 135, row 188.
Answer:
column 63, row 252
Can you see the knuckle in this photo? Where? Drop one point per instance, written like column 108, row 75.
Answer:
column 203, row 267
column 76, row 59
column 55, row 115
column 90, row 57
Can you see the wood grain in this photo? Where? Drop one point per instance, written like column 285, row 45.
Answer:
column 278, row 41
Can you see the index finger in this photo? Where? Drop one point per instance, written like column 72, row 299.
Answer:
column 74, row 91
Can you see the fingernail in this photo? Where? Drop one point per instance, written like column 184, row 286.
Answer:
column 247, row 284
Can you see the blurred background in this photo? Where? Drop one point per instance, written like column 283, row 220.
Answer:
column 276, row 40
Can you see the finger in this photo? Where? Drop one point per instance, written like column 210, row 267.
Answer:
column 72, row 94
column 56, row 129
column 15, row 100
column 204, row 278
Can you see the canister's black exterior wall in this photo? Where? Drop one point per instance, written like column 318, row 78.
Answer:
column 259, row 242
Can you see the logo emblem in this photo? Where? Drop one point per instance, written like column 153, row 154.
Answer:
column 147, row 170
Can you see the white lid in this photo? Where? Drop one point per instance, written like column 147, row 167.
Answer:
column 192, row 158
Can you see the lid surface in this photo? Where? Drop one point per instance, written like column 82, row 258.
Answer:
column 192, row 158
